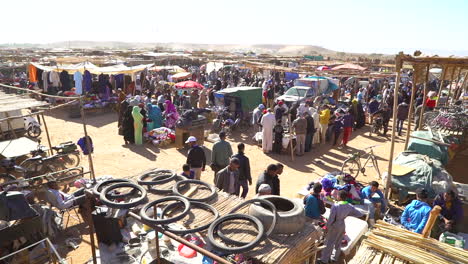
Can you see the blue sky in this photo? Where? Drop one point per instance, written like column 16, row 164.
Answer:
column 342, row 25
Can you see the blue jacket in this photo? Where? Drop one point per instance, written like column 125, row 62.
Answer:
column 415, row 216
column 366, row 194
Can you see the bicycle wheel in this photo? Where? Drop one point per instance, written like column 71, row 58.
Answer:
column 32, row 167
column 72, row 159
column 69, row 176
column 351, row 167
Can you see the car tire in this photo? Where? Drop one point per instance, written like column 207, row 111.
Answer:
column 291, row 214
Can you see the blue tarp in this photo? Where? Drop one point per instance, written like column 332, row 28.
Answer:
column 291, row 76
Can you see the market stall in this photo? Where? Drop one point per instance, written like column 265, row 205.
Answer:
column 275, row 248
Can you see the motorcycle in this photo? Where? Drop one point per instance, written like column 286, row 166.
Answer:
column 377, row 125
column 32, row 127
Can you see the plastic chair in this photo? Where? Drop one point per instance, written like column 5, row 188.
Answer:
column 52, row 200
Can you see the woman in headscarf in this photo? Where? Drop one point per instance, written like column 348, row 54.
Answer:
column 127, row 126
column 143, row 113
column 361, row 117
column 170, row 114
column 138, row 125
column 155, row 115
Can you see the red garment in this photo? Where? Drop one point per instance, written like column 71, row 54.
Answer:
column 430, row 103
column 347, row 134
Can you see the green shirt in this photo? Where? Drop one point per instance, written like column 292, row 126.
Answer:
column 221, row 153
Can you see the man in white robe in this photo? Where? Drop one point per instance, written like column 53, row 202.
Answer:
column 268, row 122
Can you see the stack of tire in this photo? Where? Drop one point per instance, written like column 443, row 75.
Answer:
column 269, row 214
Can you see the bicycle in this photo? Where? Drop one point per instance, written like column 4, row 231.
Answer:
column 353, row 166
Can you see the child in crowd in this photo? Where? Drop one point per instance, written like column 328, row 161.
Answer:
column 336, row 227
column 187, row 172
column 314, row 206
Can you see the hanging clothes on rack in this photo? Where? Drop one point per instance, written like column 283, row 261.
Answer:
column 32, row 73
column 87, row 81
column 65, row 80
column 45, row 81
column 78, row 78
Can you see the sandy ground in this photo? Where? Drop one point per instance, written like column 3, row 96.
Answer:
column 112, row 157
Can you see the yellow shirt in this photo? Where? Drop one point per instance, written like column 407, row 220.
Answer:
column 324, row 117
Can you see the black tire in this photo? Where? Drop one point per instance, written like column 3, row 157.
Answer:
column 98, row 187
column 271, row 224
column 31, row 166
column 154, row 221
column 153, row 189
column 212, row 188
column 72, row 159
column 157, row 177
column 192, row 205
column 128, row 205
column 351, row 167
column 34, row 131
column 240, row 249
column 291, row 216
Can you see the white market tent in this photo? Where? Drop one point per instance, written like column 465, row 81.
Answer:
column 82, row 66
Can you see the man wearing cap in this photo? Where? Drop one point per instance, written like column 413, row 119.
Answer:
column 196, row 157
column 268, row 122
column 264, row 189
column 257, row 114
column 221, row 153
column 227, row 179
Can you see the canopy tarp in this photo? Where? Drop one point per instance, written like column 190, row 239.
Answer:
column 70, row 68
column 174, row 68
column 188, row 85
column 348, row 66
column 181, row 75
column 249, row 97
column 428, row 174
column 81, row 67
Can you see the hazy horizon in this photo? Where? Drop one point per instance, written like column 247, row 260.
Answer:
column 360, row 26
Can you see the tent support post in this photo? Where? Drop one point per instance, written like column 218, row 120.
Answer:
column 424, row 98
column 88, row 143
column 392, row 146
column 47, row 134
column 442, row 79
column 290, row 138
column 451, row 82
column 410, row 112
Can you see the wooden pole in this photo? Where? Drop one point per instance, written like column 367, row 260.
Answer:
column 462, row 87
column 426, row 87
column 392, row 146
column 10, row 126
column 451, row 82
column 156, row 236
column 291, row 137
column 444, row 72
column 410, row 112
column 47, row 134
column 430, row 222
column 88, row 143
column 89, row 196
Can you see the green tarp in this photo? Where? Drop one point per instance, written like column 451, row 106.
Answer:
column 250, row 97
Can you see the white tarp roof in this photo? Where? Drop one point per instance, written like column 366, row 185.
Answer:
column 114, row 69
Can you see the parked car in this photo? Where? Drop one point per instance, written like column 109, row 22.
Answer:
column 298, row 94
